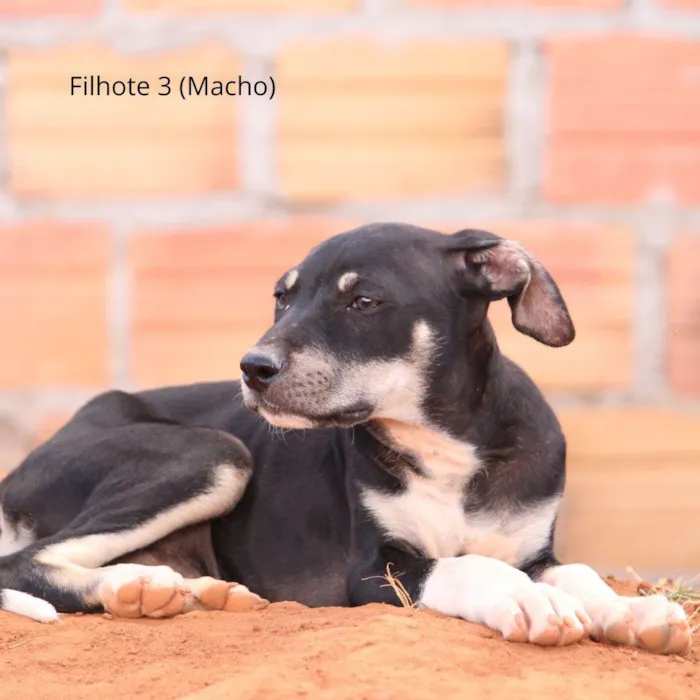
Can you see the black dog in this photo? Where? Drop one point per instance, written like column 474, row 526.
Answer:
column 416, row 449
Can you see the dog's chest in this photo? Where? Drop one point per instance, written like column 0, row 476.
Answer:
column 430, row 516
column 429, row 512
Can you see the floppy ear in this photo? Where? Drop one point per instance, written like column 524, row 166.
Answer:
column 495, row 268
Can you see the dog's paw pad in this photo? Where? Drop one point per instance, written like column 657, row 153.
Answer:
column 557, row 618
column 122, row 601
column 516, row 630
column 548, row 635
column 661, row 625
column 212, row 594
column 618, row 632
column 174, row 605
column 131, row 590
column 651, row 622
column 654, row 638
column 539, row 614
column 680, row 640
column 156, row 600
column 613, row 621
column 572, row 630
column 240, row 599
column 129, row 593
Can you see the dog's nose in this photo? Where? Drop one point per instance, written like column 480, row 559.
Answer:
column 260, row 368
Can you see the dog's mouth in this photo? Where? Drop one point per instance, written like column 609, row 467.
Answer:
column 293, row 417
column 348, row 417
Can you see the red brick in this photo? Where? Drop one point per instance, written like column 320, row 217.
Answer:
column 632, row 485
column 624, row 120
column 684, row 315
column 203, row 298
column 63, row 146
column 594, row 268
column 519, row 4
column 53, row 306
column 358, row 119
column 682, row 4
column 224, row 6
column 41, row 8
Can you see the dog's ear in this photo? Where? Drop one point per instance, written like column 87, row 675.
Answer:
column 495, row 268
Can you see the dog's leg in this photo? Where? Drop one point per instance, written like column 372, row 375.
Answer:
column 190, row 553
column 652, row 622
column 68, row 570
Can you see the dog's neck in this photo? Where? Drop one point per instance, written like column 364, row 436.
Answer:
column 446, row 447
column 430, row 450
column 456, row 398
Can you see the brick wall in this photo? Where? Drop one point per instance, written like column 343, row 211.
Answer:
column 139, row 236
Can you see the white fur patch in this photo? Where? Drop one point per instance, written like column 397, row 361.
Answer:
column 291, row 279
column 430, row 513
column 487, row 591
column 396, row 387
column 27, row 605
column 346, row 280
column 73, row 562
column 287, row 421
column 14, row 538
column 579, row 580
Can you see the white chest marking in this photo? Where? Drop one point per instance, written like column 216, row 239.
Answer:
column 430, row 514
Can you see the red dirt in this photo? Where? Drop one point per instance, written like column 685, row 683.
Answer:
column 288, row 651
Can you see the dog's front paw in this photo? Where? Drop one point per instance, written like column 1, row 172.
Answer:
column 537, row 613
column 491, row 592
column 652, row 622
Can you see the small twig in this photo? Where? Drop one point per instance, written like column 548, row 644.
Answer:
column 634, row 574
column 401, row 593
column 18, row 644
column 678, row 591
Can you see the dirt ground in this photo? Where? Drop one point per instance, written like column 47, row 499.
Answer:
column 288, row 651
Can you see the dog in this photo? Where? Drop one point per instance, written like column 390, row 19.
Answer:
column 377, row 431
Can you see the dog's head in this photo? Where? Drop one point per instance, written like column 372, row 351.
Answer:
column 377, row 322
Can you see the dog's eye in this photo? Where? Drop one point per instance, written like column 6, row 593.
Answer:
column 364, row 304
column 281, row 300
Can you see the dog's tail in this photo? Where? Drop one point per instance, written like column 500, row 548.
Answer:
column 27, row 605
